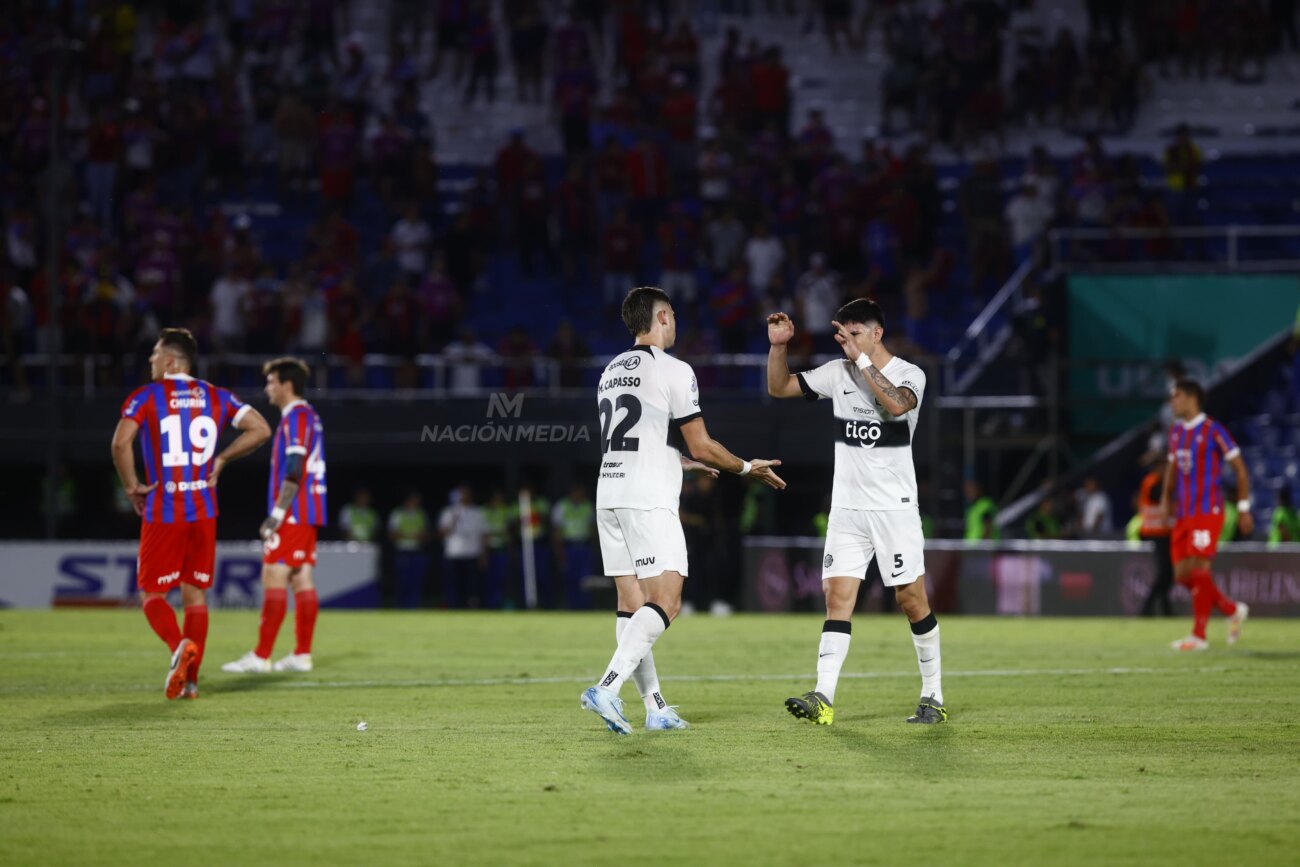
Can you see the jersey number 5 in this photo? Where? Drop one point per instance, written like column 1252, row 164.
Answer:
column 203, row 437
column 619, row 441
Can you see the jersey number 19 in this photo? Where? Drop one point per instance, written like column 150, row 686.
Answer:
column 203, row 437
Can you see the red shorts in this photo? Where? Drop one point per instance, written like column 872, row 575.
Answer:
column 175, row 554
column 293, row 545
column 1197, row 536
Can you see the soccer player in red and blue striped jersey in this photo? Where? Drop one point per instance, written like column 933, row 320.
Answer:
column 296, row 503
column 1199, row 446
column 178, row 419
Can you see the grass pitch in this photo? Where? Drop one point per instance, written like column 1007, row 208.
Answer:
column 1070, row 741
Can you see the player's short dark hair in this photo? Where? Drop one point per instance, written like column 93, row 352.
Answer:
column 291, row 370
column 1187, row 385
column 639, row 308
column 861, row 311
column 182, row 342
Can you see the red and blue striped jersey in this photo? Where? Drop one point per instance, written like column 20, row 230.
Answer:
column 300, row 433
column 1198, row 449
column 180, row 419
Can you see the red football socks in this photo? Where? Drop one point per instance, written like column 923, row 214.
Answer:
column 1206, row 596
column 305, row 607
column 196, row 630
column 163, row 621
column 274, row 603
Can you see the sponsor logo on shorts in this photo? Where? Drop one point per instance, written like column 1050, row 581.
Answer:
column 202, row 577
column 827, row 561
column 169, row 578
column 645, row 561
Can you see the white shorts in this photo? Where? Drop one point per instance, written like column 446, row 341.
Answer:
column 894, row 538
column 641, row 542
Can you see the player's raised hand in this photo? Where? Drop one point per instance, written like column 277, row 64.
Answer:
column 138, row 494
column 844, row 339
column 690, row 466
column 762, row 470
column 780, row 329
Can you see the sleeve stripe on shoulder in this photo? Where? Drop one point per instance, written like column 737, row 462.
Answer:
column 686, row 418
column 239, row 416
column 808, row 393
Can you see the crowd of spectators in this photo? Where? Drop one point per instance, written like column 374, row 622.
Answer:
column 171, row 122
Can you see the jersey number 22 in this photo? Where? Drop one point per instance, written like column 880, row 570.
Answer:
column 619, row 441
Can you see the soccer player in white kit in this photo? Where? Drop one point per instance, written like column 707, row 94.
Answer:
column 876, row 397
column 649, row 405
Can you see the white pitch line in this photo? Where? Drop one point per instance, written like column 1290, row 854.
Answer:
column 729, row 678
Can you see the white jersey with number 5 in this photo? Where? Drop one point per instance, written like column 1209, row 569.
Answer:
column 644, row 396
column 873, row 449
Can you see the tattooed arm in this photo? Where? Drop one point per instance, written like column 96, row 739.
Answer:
column 896, row 401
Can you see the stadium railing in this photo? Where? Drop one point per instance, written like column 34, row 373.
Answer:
column 1176, row 249
column 335, row 375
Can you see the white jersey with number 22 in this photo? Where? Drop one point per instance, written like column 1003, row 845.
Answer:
column 644, row 396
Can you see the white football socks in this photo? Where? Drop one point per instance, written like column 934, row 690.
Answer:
column 644, row 676
column 832, row 651
column 925, row 638
column 639, row 635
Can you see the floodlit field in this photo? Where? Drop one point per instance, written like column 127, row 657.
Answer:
column 1070, row 741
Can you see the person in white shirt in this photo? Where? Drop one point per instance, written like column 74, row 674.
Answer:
column 1028, row 215
column 462, row 528
column 228, row 297
column 817, row 295
column 466, row 358
column 876, row 398
column 764, row 256
column 649, row 408
column 411, row 237
column 1095, row 512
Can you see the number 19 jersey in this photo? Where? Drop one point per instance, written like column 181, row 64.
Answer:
column 180, row 418
column 644, row 397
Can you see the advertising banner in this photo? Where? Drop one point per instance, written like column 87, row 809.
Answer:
column 41, row 574
column 1123, row 328
column 1020, row 578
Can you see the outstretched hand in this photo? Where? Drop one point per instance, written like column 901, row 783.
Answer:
column 762, row 471
column 780, row 329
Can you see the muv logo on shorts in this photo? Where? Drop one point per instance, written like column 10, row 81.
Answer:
column 645, row 561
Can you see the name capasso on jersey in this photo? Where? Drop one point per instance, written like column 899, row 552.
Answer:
column 300, row 433
column 873, row 449
column 644, row 396
column 180, row 419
